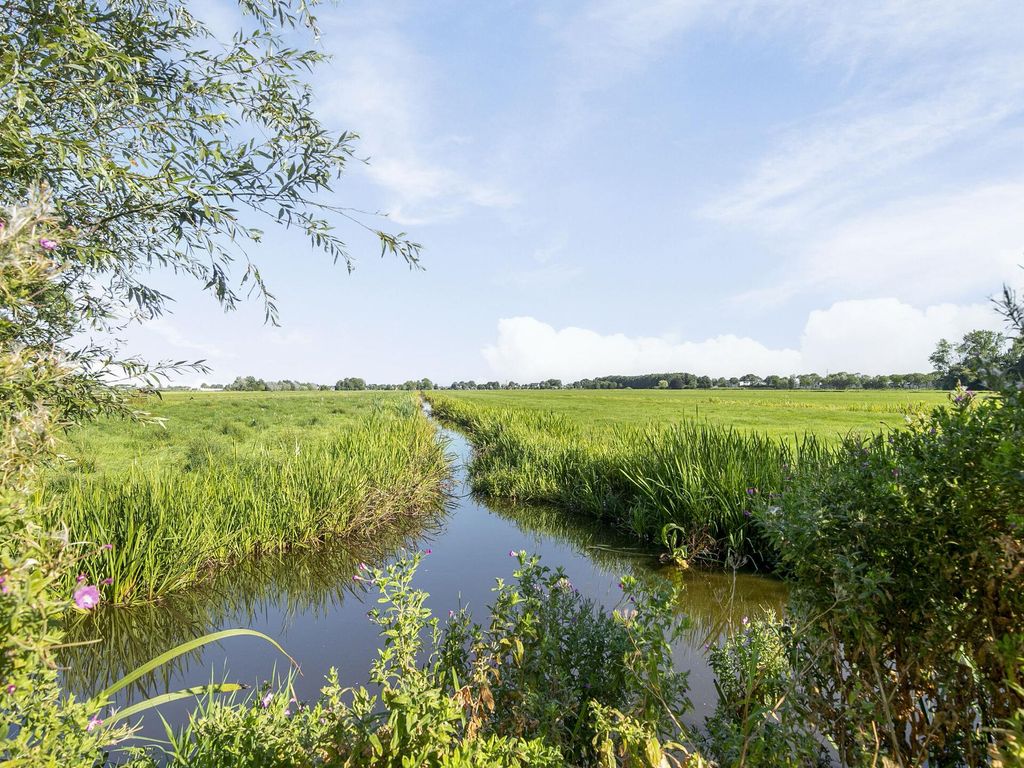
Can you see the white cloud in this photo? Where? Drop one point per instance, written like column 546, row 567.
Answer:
column 178, row 341
column 529, row 350
column 867, row 336
column 608, row 38
column 884, row 335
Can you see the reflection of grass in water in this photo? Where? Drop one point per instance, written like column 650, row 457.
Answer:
column 714, row 601
column 303, row 583
column 717, row 601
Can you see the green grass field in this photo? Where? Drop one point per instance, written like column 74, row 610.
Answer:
column 698, row 461
column 777, row 413
column 230, row 475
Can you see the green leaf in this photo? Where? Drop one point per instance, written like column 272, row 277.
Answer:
column 184, row 693
column 184, row 648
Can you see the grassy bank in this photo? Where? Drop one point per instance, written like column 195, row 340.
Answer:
column 702, row 477
column 229, row 476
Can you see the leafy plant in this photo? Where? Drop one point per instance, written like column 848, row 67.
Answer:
column 905, row 564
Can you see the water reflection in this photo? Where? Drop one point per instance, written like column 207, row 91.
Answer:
column 715, row 602
column 302, row 586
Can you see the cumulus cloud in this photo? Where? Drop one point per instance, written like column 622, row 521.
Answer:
column 884, row 335
column 528, row 349
column 867, row 336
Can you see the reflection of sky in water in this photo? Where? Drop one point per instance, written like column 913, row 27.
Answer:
column 309, row 603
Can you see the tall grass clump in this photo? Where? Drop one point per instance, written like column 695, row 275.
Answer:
column 170, row 523
column 691, row 485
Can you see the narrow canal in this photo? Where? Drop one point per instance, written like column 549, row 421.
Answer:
column 310, row 604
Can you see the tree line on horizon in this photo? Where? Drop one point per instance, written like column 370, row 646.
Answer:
column 966, row 362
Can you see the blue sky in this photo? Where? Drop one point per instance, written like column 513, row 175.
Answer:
column 615, row 186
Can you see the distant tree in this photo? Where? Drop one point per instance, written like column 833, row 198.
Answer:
column 810, row 380
column 676, row 382
column 350, row 383
column 662, row 384
column 974, row 361
column 841, row 380
column 703, row 382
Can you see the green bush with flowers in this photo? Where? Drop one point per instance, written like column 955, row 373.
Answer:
column 907, row 568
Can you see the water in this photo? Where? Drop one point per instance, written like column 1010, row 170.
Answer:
column 310, row 604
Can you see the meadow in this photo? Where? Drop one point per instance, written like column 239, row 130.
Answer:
column 683, row 469
column 227, row 476
column 778, row 413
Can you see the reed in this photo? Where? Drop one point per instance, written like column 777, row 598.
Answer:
column 703, row 478
column 215, row 499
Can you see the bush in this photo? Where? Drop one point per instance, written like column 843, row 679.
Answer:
column 908, row 584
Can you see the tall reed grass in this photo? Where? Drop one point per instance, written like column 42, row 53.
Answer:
column 703, row 478
column 171, row 523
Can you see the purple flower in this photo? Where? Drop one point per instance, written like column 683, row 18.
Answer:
column 94, row 722
column 87, row 597
column 80, row 578
column 355, row 577
column 428, row 551
column 746, row 513
column 11, row 688
column 751, row 491
column 895, row 473
column 47, row 244
column 746, row 621
column 512, row 553
column 265, row 701
column 107, row 581
column 107, row 547
column 363, row 567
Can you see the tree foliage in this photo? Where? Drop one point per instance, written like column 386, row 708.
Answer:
column 162, row 146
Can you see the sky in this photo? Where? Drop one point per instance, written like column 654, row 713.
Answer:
column 616, row 186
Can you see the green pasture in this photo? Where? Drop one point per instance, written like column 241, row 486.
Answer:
column 777, row 413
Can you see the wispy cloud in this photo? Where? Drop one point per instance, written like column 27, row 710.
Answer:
column 929, row 248
column 384, row 89
column 171, row 335
column 605, row 40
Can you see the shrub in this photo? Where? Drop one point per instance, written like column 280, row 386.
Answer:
column 755, row 722
column 908, row 583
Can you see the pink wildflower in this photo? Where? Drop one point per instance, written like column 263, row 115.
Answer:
column 47, row 244
column 87, row 597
